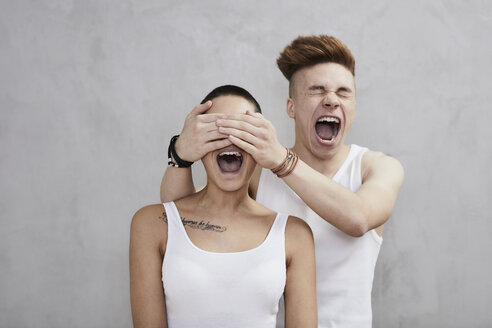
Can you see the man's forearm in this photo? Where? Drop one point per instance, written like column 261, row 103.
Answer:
column 331, row 201
column 176, row 183
column 352, row 212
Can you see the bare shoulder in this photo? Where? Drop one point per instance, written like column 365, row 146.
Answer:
column 296, row 224
column 373, row 158
column 150, row 222
column 297, row 230
column 378, row 164
column 150, row 214
column 299, row 239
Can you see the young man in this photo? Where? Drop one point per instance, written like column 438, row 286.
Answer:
column 344, row 192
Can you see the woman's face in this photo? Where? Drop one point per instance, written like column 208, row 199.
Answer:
column 229, row 168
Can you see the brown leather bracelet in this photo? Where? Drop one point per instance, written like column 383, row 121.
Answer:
column 281, row 166
column 292, row 166
column 287, row 166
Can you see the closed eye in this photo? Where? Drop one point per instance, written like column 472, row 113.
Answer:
column 344, row 93
column 316, row 90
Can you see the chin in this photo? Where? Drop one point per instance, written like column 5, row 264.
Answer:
column 323, row 150
column 231, row 186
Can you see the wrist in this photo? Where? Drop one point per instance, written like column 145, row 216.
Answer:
column 178, row 150
column 287, row 165
column 279, row 158
column 173, row 158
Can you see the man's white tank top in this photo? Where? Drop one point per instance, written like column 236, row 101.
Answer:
column 208, row 289
column 344, row 264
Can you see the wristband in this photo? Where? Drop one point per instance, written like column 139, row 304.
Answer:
column 287, row 166
column 172, row 151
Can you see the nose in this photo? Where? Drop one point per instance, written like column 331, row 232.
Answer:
column 331, row 100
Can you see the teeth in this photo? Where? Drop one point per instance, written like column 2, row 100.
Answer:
column 329, row 119
column 329, row 140
column 233, row 153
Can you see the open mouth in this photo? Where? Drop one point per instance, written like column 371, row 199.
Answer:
column 327, row 128
column 230, row 161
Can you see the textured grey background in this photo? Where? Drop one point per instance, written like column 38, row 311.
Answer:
column 91, row 92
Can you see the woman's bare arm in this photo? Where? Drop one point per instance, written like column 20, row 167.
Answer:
column 301, row 310
column 176, row 183
column 148, row 236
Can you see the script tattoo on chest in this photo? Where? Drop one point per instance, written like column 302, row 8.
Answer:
column 200, row 225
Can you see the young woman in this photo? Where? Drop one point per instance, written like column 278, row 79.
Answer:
column 217, row 258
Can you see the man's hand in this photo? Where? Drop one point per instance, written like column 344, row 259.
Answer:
column 255, row 135
column 200, row 134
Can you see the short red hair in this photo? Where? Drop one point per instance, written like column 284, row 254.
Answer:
column 311, row 50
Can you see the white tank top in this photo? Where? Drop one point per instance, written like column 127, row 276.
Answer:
column 344, row 264
column 208, row 289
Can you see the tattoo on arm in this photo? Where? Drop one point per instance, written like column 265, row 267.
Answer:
column 163, row 217
column 202, row 225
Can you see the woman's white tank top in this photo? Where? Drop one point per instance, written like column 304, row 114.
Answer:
column 344, row 264
column 208, row 289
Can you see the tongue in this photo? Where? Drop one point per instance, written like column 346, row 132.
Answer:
column 229, row 163
column 324, row 131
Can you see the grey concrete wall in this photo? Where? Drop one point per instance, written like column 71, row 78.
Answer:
column 91, row 92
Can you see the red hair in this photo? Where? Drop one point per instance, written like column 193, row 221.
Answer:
column 311, row 50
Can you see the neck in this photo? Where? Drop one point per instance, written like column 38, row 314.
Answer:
column 329, row 164
column 216, row 200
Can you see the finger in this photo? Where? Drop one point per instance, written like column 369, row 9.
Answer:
column 247, row 147
column 201, row 108
column 246, row 136
column 256, row 121
column 205, row 128
column 207, row 118
column 240, row 125
column 213, row 135
column 217, row 144
column 241, row 117
column 254, row 114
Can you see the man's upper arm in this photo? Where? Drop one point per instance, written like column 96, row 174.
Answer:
column 382, row 178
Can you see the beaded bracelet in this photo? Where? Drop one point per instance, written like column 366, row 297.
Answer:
column 172, row 151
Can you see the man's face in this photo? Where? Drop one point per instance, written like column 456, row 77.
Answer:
column 323, row 106
column 229, row 168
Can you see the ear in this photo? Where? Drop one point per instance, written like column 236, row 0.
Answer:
column 291, row 108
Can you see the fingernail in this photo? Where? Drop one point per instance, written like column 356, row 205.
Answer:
column 219, row 122
column 221, row 129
